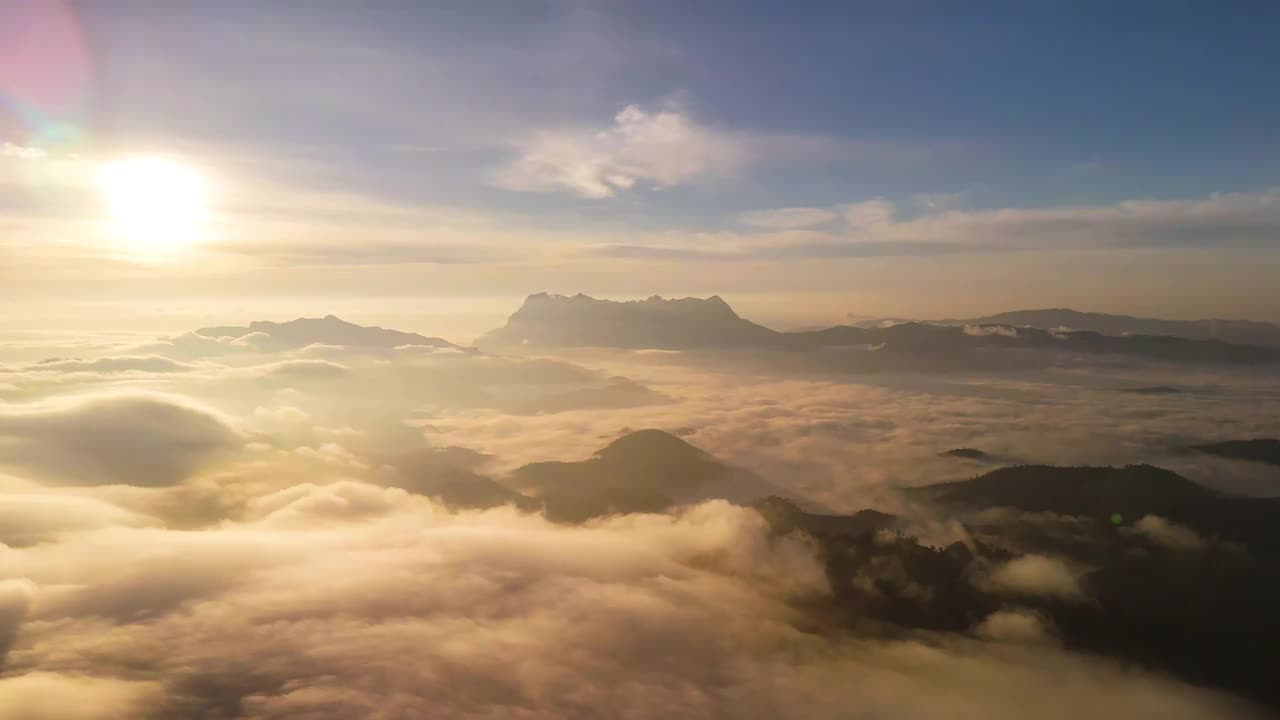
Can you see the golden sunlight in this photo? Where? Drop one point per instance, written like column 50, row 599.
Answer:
column 156, row 204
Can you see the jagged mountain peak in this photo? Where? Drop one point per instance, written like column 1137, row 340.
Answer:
column 654, row 322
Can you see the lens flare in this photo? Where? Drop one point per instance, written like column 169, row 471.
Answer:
column 45, row 75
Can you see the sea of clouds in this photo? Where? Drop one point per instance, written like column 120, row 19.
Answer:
column 195, row 528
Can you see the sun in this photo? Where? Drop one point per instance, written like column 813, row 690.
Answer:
column 155, row 204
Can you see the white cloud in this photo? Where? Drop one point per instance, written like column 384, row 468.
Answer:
column 15, row 604
column 935, row 202
column 316, row 370
column 985, row 330
column 868, row 215
column 790, row 217
column 1035, row 575
column 114, row 364
column 1014, row 626
column 309, row 504
column 54, row 696
column 22, row 152
column 365, row 605
column 1168, row 533
column 128, row 438
column 1218, row 218
column 663, row 148
column 876, row 227
column 27, row 518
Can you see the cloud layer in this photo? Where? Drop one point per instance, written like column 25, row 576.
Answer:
column 130, row 439
column 390, row 606
column 880, row 227
column 275, row 554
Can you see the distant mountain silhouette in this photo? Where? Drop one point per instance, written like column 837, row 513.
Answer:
column 1123, row 493
column 966, row 453
column 1152, row 390
column 644, row 471
column 1263, row 450
column 329, row 330
column 1245, row 332
column 582, row 321
column 710, row 324
column 945, row 341
column 1073, row 490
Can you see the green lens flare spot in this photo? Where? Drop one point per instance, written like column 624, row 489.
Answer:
column 1117, row 519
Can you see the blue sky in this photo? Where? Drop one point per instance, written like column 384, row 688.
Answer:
column 665, row 131
column 1021, row 99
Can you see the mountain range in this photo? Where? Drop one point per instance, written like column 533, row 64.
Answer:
column 1245, row 332
column 557, row 321
column 328, row 330
column 550, row 321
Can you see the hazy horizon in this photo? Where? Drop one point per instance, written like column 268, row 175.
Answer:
column 463, row 319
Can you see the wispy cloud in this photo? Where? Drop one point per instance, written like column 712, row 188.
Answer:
column 661, row 149
column 376, row 252
column 790, row 217
column 878, row 227
column 22, row 152
column 869, row 214
column 935, row 202
column 1220, row 219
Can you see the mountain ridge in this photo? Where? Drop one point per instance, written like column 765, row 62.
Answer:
column 1247, row 332
column 546, row 320
column 655, row 322
column 329, row 330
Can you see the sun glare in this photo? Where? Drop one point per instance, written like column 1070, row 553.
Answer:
column 156, row 204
